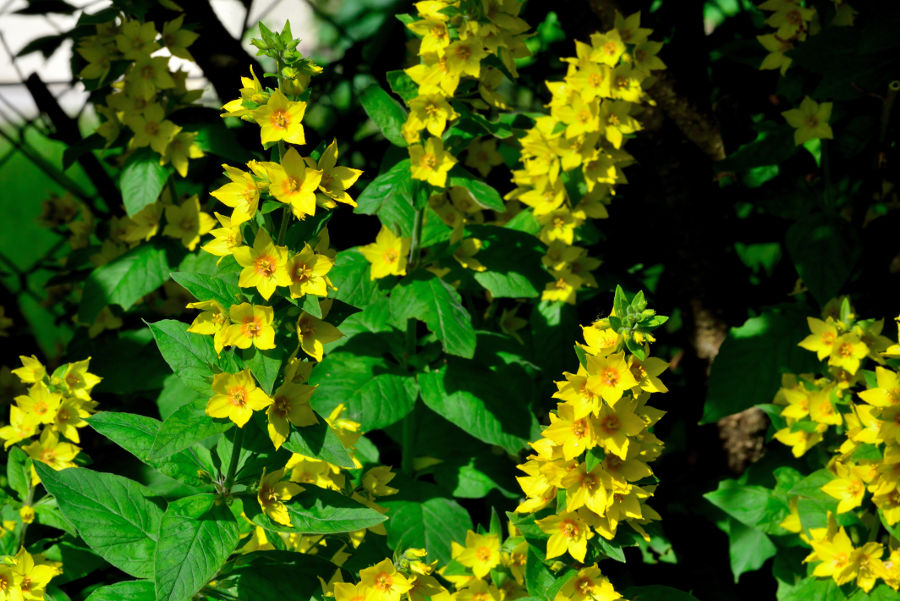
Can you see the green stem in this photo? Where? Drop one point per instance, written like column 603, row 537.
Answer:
column 29, row 500
column 414, row 245
column 285, row 219
column 408, row 427
column 826, row 171
column 232, row 464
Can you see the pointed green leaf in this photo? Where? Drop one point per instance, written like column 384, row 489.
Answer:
column 318, row 511
column 390, row 197
column 386, row 112
column 320, row 442
column 222, row 289
column 196, row 536
column 142, row 180
column 131, row 590
column 191, row 356
column 124, row 280
column 428, row 298
column 187, row 425
column 111, row 513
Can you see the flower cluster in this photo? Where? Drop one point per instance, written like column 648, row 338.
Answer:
column 53, row 410
column 149, row 90
column 572, row 159
column 792, row 21
column 279, row 486
column 856, row 413
column 461, row 46
column 25, row 577
column 591, row 462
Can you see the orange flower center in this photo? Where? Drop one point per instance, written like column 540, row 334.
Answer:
column 811, row 121
column 301, row 273
column 596, row 79
column 383, row 582
column 610, row 48
column 147, row 72
column 152, row 128
column 569, row 528
column 609, row 376
column 584, row 586
column 846, row 350
column 265, row 266
column 483, row 553
column 390, row 256
column 610, row 424
column 293, row 184
column 251, row 327
column 238, row 396
column 579, row 428
column 280, row 119
column 281, row 407
column 429, row 161
column 40, row 407
column 73, row 380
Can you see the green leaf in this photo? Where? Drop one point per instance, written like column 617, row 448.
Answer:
column 748, row 504
column 318, row 511
column 189, row 424
column 261, row 575
column 351, row 276
column 192, row 357
column 132, row 590
column 428, row 298
column 311, row 305
column 483, row 193
column 747, row 371
column 469, row 398
column 820, row 589
column 136, row 434
column 538, row 577
column 593, row 458
column 196, row 536
column 319, row 442
column 657, row 593
column 210, row 287
column 111, row 513
column 374, row 395
column 421, row 517
column 390, row 196
column 79, row 560
column 824, row 250
column 18, row 472
column 512, row 260
column 142, row 180
column 264, row 365
column 402, row 84
column 748, row 548
column 124, row 280
column 386, row 112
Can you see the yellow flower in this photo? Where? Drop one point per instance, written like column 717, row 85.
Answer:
column 251, row 91
column 280, row 119
column 251, row 325
column 776, row 58
column 212, row 321
column 810, row 120
column 187, row 222
column 563, row 288
column 314, row 333
column 481, row 553
column 294, row 183
column 568, row 532
column 832, row 547
column 32, row 370
column 290, row 405
column 465, row 254
column 335, row 178
column 181, row 148
column 308, row 270
column 887, row 391
column 847, row 352
column 151, row 128
column 137, row 40
column 225, row 238
column 431, row 162
column 589, row 584
column 821, row 341
column 148, row 75
column 273, row 493
column 236, row 397
column 144, row 224
column 40, row 403
column 387, row 254
column 265, row 265
column 48, row 449
column 21, row 426
column 847, row 486
column 34, row 576
column 177, row 39
column 241, row 194
column 78, row 381
column 431, row 112
column 375, row 482
column 575, row 436
column 382, row 582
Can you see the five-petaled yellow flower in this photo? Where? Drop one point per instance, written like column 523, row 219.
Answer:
column 273, row 493
column 251, row 325
column 236, row 397
column 810, row 120
column 387, row 254
column 280, row 119
column 265, row 265
column 431, row 162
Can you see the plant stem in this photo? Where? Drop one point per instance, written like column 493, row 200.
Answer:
column 232, row 464
column 416, row 239
column 408, row 432
column 285, row 219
